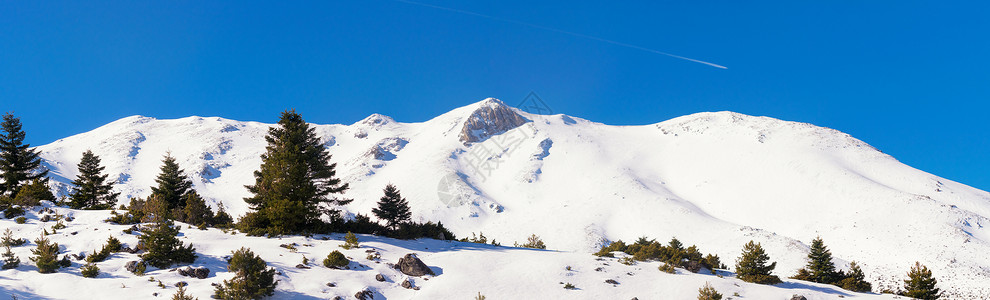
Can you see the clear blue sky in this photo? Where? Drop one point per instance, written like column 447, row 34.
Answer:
column 909, row 77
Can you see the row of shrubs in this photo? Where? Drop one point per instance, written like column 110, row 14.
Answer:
column 673, row 254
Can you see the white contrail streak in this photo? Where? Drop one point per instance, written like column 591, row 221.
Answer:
column 561, row 31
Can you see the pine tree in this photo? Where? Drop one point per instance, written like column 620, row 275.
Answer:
column 19, row 162
column 253, row 279
column 920, row 283
column 221, row 219
column 293, row 187
column 350, row 241
column 707, row 292
column 10, row 260
column 752, row 265
column 855, row 280
column 92, row 190
column 163, row 248
column 172, row 183
column 196, row 212
column 820, row 267
column 180, row 294
column 45, row 255
column 31, row 194
column 392, row 208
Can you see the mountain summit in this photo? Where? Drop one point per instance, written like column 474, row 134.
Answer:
column 715, row 180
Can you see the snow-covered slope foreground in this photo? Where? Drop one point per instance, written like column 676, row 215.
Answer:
column 462, row 270
column 715, row 180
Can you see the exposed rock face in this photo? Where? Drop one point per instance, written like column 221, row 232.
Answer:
column 412, row 266
column 132, row 266
column 364, row 295
column 201, row 272
column 491, row 118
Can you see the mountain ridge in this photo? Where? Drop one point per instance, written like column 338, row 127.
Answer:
column 731, row 176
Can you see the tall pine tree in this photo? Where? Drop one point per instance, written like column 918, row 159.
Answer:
column 294, row 187
column 820, row 267
column 392, row 208
column 920, row 283
column 172, row 183
column 752, row 265
column 92, row 190
column 19, row 162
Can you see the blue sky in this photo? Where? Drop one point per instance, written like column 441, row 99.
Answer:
column 909, row 77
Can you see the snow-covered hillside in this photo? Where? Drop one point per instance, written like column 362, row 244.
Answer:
column 462, row 270
column 715, row 180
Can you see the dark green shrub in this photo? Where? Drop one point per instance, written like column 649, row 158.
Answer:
column 32, row 194
column 854, row 280
column 336, row 260
column 570, row 286
column 112, row 245
column 20, row 220
column 163, row 248
column 667, row 268
column 10, row 260
column 707, row 292
column 411, row 230
column 13, row 211
column 90, row 270
column 533, row 241
column 350, row 241
column 254, row 280
column 45, row 255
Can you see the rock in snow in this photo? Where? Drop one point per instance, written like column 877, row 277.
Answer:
column 413, row 266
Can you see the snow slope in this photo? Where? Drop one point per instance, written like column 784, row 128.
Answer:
column 715, row 180
column 462, row 270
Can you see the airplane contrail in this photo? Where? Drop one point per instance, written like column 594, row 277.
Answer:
column 617, row 43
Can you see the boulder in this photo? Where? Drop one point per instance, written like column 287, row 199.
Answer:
column 380, row 277
column 132, row 266
column 413, row 266
column 302, row 266
column 364, row 295
column 798, row 297
column 407, row 284
column 201, row 272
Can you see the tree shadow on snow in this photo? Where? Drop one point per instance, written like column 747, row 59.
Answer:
column 814, row 287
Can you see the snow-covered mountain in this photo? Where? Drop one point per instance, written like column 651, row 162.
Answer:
column 715, row 180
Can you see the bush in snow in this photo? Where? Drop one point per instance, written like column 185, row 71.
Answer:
column 45, row 255
column 533, row 241
column 32, row 194
column 163, row 248
column 707, row 292
column 350, row 241
column 854, row 280
column 112, row 245
column 90, row 270
column 335, row 260
column 10, row 261
column 253, row 279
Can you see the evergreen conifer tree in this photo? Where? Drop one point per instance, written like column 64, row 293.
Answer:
column 19, row 162
column 820, row 267
column 45, row 255
column 752, row 265
column 10, row 260
column 196, row 212
column 92, row 190
column 855, row 280
column 253, row 279
column 293, row 188
column 172, row 183
column 921, row 284
column 392, row 208
column 163, row 248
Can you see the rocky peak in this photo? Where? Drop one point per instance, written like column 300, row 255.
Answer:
column 491, row 117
